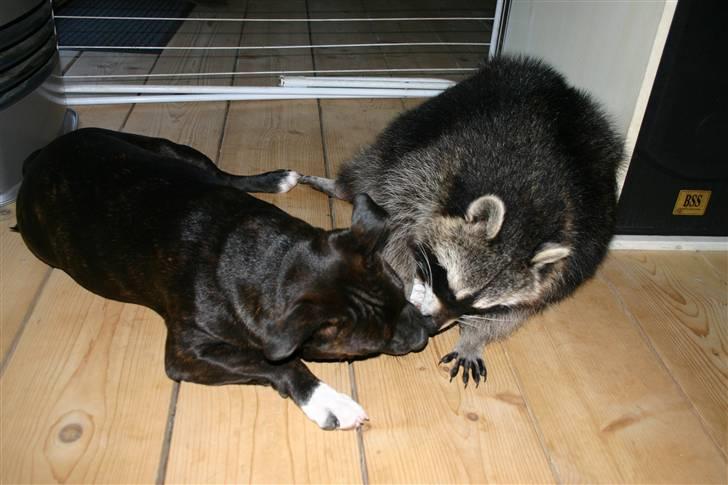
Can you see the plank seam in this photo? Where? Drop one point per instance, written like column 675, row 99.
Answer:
column 532, row 416
column 359, row 433
column 174, row 398
column 131, row 108
column 221, row 143
column 73, row 61
column 26, row 318
column 720, row 272
column 648, row 341
column 363, row 470
column 327, row 165
column 167, row 441
column 222, row 134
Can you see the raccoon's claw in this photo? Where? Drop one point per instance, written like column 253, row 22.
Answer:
column 455, row 368
column 471, row 366
column 448, row 357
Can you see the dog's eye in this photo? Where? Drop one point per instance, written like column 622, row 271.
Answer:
column 329, row 330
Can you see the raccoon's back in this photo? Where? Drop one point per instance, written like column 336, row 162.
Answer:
column 502, row 87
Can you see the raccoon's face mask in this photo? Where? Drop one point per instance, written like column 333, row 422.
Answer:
column 465, row 270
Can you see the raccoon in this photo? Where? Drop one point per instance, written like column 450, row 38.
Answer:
column 501, row 194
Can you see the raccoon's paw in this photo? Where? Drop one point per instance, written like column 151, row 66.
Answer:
column 471, row 364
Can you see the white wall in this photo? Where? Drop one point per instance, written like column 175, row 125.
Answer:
column 610, row 48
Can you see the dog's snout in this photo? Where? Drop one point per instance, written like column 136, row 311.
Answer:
column 412, row 332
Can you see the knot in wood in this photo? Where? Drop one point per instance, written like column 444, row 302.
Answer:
column 70, row 433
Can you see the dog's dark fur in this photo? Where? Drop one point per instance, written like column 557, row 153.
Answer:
column 502, row 198
column 245, row 289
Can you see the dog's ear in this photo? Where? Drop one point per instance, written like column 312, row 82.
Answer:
column 369, row 223
column 297, row 325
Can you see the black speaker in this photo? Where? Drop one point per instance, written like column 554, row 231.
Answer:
column 677, row 182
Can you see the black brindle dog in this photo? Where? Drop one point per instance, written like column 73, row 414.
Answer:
column 246, row 290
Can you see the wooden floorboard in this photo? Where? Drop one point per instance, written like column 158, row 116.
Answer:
column 83, row 399
column 197, row 124
column 424, row 428
column 70, row 392
column 88, row 63
column 273, row 33
column 606, row 406
column 685, row 320
column 431, row 57
column 22, row 276
column 245, row 433
column 344, row 33
column 239, row 434
column 718, row 261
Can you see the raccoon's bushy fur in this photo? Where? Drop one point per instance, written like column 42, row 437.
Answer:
column 518, row 131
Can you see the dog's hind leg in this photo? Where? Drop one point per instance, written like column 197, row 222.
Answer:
column 197, row 358
column 275, row 182
column 327, row 186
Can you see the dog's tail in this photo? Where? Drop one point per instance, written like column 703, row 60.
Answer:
column 275, row 182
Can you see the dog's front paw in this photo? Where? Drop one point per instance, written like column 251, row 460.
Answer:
column 470, row 364
column 289, row 179
column 333, row 410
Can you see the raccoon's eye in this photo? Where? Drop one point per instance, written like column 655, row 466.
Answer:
column 495, row 309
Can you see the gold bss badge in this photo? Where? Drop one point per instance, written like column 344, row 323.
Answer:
column 691, row 202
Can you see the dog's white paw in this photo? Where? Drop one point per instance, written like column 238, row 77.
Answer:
column 288, row 182
column 333, row 410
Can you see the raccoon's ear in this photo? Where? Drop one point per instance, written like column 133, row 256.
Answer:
column 369, row 222
column 489, row 210
column 549, row 253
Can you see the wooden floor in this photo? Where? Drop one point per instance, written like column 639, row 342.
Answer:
column 626, row 382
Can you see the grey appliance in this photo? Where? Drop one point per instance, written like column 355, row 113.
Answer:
column 32, row 112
